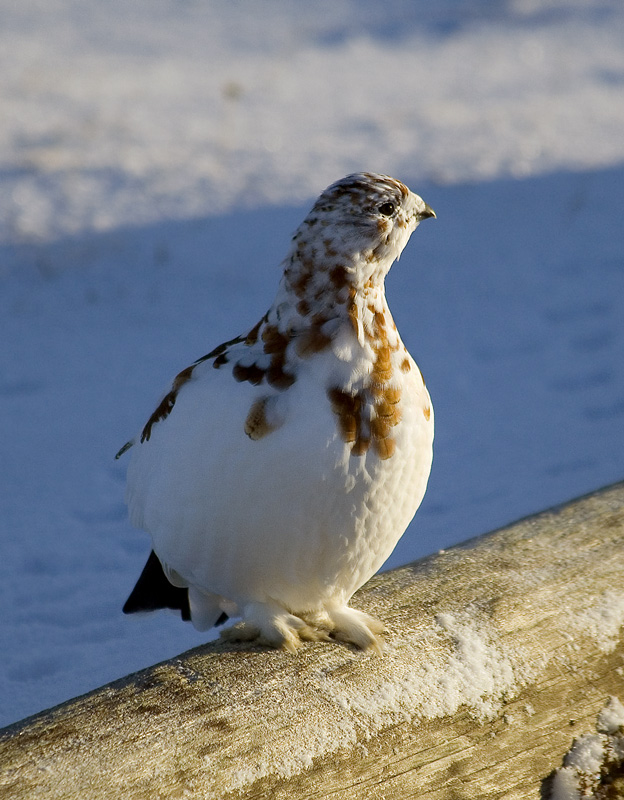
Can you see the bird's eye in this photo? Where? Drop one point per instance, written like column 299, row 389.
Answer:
column 387, row 209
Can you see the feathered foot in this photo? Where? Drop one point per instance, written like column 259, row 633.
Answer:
column 357, row 628
column 270, row 625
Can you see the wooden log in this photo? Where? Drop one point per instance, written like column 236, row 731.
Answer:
column 499, row 652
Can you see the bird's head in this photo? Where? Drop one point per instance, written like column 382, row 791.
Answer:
column 362, row 223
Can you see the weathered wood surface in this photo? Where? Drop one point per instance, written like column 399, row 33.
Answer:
column 499, row 652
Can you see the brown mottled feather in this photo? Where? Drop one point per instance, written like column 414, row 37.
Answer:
column 256, row 424
column 348, row 409
column 252, row 336
column 311, row 341
column 384, row 447
column 274, row 340
column 252, row 373
column 339, row 276
column 380, row 427
column 167, row 403
column 277, row 377
column 360, row 446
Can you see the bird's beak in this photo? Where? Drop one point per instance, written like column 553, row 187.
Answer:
column 426, row 213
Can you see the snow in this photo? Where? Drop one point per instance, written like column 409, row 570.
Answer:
column 156, row 156
column 587, row 754
column 117, row 114
column 602, row 619
column 611, row 718
column 466, row 666
column 581, row 773
column 591, row 757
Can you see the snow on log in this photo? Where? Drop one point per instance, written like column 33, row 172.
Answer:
column 500, row 653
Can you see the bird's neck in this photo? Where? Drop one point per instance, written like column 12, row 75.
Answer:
column 324, row 281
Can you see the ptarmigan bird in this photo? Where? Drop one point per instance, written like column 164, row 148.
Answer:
column 281, row 469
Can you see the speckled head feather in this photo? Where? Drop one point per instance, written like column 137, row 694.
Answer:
column 355, row 230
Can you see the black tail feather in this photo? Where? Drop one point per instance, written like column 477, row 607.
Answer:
column 153, row 590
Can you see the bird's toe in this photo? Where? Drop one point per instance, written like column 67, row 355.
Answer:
column 357, row 628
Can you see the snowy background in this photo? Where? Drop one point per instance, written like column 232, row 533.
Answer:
column 155, row 157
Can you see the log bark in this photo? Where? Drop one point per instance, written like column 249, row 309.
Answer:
column 499, row 652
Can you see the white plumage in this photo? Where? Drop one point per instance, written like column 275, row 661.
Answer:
column 280, row 471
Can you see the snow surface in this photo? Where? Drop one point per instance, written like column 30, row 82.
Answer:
column 611, row 718
column 473, row 671
column 602, row 619
column 155, row 157
column 590, row 755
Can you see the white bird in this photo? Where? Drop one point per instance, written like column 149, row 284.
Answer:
column 281, row 469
